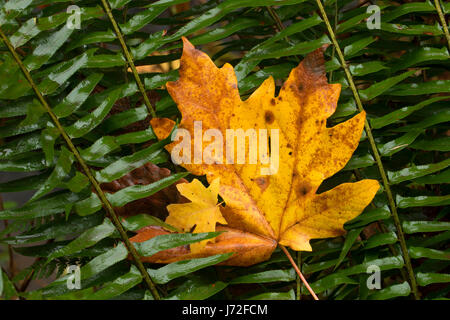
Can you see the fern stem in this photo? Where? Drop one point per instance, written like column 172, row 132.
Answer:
column 279, row 26
column 275, row 18
column 334, row 28
column 26, row 282
column 387, row 188
column 86, row 169
column 383, row 229
column 286, row 252
column 3, row 272
column 443, row 22
column 129, row 58
column 11, row 264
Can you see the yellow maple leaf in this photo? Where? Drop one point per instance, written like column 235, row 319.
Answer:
column 202, row 213
column 284, row 205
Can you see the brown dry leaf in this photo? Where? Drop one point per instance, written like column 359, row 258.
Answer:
column 248, row 248
column 158, row 68
column 154, row 204
column 282, row 206
column 124, row 104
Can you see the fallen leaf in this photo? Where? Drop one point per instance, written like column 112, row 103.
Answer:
column 248, row 248
column 155, row 204
column 283, row 206
column 199, row 215
column 163, row 67
column 125, row 104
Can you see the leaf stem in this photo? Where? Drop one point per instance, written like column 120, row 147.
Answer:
column 443, row 22
column 107, row 205
column 299, row 287
column 387, row 188
column 129, row 58
column 286, row 252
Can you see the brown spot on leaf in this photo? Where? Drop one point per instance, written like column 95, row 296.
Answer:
column 262, row 182
column 304, row 190
column 269, row 117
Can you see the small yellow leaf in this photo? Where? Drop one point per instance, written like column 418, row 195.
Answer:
column 201, row 214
